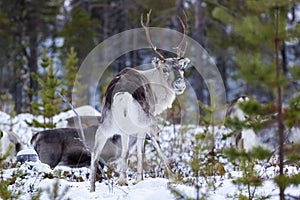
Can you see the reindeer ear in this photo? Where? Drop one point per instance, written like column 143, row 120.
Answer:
column 155, row 62
column 184, row 62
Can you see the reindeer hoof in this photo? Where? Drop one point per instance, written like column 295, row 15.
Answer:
column 139, row 178
column 122, row 183
column 137, row 181
column 122, row 179
column 174, row 178
column 92, row 189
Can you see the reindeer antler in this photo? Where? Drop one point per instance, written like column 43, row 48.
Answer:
column 181, row 52
column 148, row 34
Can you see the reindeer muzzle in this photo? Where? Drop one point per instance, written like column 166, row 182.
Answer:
column 179, row 85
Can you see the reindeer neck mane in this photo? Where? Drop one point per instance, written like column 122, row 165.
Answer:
column 147, row 87
column 164, row 95
column 131, row 81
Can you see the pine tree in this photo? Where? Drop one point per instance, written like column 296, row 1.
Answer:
column 205, row 164
column 246, row 161
column 72, row 89
column 25, row 25
column 48, row 105
column 260, row 32
column 5, row 193
column 79, row 33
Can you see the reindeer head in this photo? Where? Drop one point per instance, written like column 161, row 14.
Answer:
column 171, row 69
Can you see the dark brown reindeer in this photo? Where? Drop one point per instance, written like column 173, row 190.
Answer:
column 133, row 99
column 63, row 146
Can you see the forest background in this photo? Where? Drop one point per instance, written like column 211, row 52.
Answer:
column 238, row 35
column 255, row 45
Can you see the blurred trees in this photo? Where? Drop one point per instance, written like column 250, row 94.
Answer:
column 261, row 32
column 48, row 103
column 255, row 45
column 239, row 38
column 79, row 32
column 71, row 68
column 25, row 27
column 251, row 33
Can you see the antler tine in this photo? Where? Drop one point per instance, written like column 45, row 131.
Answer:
column 146, row 28
column 181, row 52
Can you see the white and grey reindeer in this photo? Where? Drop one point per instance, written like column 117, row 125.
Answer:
column 133, row 99
column 10, row 145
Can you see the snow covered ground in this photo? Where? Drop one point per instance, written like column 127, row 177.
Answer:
column 68, row 183
column 150, row 188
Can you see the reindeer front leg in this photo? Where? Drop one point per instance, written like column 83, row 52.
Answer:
column 140, row 155
column 93, row 172
column 124, row 159
column 100, row 141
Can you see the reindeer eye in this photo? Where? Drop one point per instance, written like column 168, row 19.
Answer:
column 165, row 70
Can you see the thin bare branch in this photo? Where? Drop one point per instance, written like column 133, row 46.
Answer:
column 81, row 133
column 146, row 28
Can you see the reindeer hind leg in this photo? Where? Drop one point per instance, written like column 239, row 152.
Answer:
column 95, row 157
column 124, row 159
column 140, row 156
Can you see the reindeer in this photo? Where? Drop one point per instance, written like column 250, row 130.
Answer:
column 266, row 136
column 89, row 116
column 63, row 146
column 86, row 121
column 10, row 144
column 244, row 138
column 131, row 102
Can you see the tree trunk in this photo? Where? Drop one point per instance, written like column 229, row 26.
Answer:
column 279, row 91
column 198, row 36
column 32, row 30
column 32, row 63
column 16, row 91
